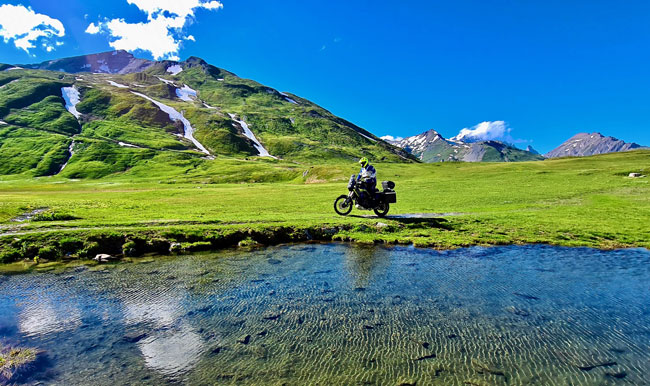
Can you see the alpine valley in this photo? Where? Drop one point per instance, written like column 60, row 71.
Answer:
column 96, row 115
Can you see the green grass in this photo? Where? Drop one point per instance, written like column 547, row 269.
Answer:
column 574, row 202
column 48, row 114
column 31, row 152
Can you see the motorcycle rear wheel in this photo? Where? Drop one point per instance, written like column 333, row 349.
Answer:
column 382, row 209
column 342, row 206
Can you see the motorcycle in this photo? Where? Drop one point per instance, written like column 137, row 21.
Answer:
column 378, row 201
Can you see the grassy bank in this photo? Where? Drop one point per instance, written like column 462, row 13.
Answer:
column 574, row 202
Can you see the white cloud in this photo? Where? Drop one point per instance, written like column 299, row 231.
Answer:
column 93, row 29
column 162, row 33
column 391, row 138
column 25, row 27
column 484, row 131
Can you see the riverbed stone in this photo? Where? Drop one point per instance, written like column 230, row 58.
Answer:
column 175, row 248
column 104, row 257
column 244, row 339
column 134, row 337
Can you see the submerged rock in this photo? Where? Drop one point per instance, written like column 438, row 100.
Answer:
column 484, row 368
column 244, row 339
column 517, row 311
column 134, row 337
column 617, row 374
column 424, row 357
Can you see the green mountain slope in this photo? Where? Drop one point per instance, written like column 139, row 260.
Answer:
column 161, row 113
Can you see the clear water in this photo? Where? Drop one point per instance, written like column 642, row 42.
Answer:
column 340, row 314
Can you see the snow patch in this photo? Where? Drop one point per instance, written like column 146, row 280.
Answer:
column 185, row 93
column 220, row 80
column 117, row 84
column 14, row 68
column 3, row 122
column 365, row 136
column 207, row 106
column 176, row 116
column 124, row 144
column 175, row 69
column 105, row 68
column 5, row 85
column 71, row 151
column 165, row 80
column 248, row 133
column 71, row 97
column 286, row 97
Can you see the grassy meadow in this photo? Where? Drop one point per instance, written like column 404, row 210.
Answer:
column 572, row 201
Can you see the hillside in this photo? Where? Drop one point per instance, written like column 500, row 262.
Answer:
column 586, row 144
column 129, row 113
column 430, row 147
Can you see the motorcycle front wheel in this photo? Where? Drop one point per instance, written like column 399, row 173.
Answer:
column 381, row 209
column 342, row 205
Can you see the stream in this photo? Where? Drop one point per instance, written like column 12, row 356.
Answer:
column 339, row 314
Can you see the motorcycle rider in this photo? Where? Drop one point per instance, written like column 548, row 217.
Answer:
column 368, row 177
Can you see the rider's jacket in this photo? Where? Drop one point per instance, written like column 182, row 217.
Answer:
column 367, row 173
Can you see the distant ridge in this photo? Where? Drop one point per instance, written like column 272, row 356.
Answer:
column 430, row 147
column 586, row 144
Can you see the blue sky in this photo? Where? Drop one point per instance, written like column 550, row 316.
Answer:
column 548, row 69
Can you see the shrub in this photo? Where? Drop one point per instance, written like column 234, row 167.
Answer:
column 91, row 249
column 157, row 245
column 48, row 253
column 130, row 248
column 29, row 250
column 70, row 245
column 10, row 255
column 53, row 216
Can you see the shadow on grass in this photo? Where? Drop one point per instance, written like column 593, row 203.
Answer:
column 417, row 220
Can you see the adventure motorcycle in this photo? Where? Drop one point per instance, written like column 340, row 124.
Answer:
column 377, row 201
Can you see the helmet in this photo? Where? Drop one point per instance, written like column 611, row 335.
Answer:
column 364, row 162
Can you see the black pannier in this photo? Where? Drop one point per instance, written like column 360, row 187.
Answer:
column 390, row 197
column 388, row 185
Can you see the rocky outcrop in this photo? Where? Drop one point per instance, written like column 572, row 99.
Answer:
column 586, row 144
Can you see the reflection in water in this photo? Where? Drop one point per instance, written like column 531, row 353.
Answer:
column 363, row 262
column 43, row 317
column 171, row 346
column 336, row 314
column 172, row 351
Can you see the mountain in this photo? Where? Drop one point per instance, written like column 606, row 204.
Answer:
column 430, row 147
column 585, row 144
column 113, row 62
column 530, row 149
column 106, row 113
